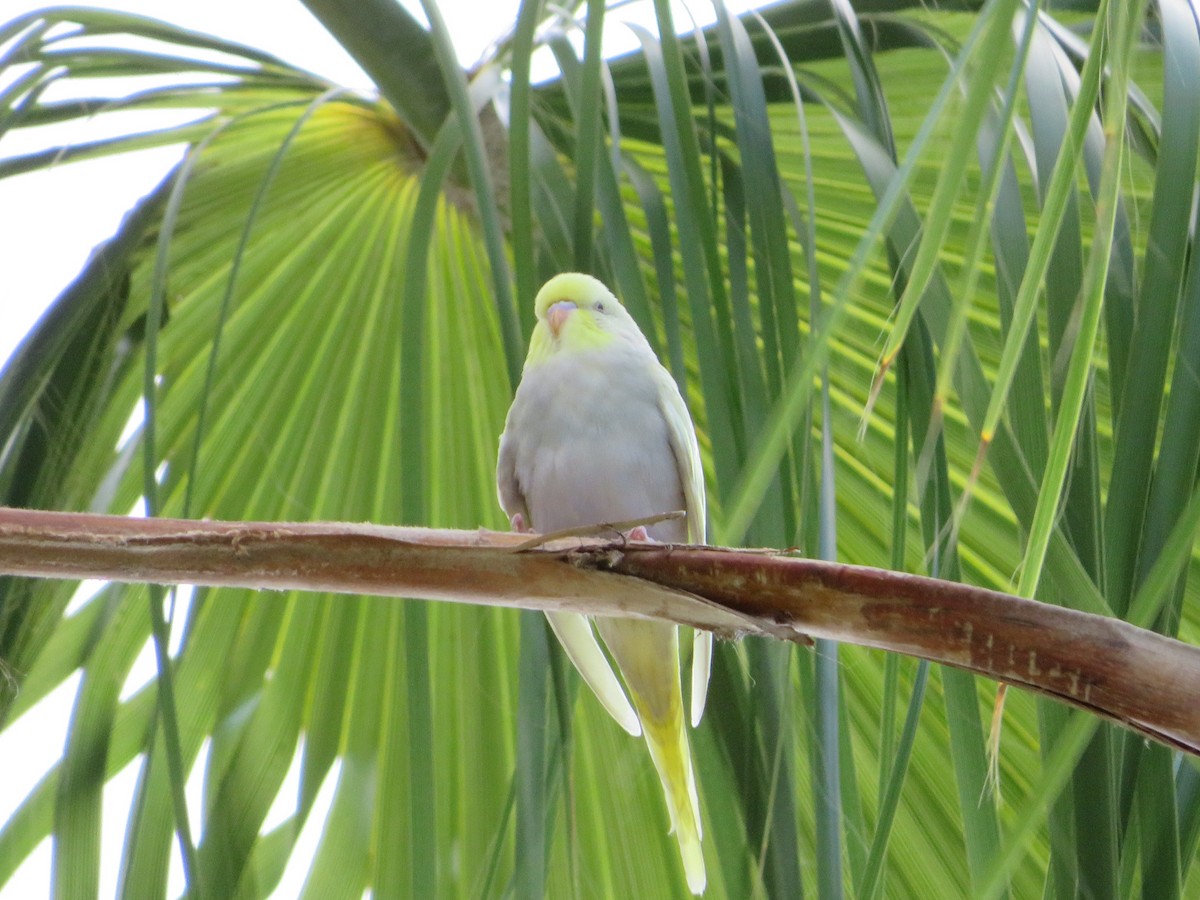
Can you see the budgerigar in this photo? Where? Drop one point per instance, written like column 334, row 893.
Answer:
column 598, row 433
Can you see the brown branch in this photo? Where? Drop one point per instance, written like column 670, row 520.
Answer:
column 1141, row 679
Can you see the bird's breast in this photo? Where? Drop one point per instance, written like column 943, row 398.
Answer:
column 595, row 446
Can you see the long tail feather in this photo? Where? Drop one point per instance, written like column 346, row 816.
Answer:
column 701, row 666
column 575, row 633
column 647, row 654
column 672, row 757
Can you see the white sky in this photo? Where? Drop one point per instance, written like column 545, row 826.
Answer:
column 49, row 223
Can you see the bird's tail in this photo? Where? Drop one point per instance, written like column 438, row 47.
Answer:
column 672, row 757
column 647, row 654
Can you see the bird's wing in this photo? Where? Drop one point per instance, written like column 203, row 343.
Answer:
column 691, row 475
column 686, row 450
column 508, row 487
column 578, row 639
column 702, row 642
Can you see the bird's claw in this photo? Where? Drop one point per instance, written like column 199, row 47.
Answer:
column 639, row 533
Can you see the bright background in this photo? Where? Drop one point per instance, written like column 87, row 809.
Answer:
column 49, row 224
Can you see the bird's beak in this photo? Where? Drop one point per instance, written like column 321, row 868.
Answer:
column 558, row 313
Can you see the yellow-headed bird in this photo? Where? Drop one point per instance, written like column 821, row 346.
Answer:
column 598, row 433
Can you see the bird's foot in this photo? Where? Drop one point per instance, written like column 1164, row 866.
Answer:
column 639, row 533
column 517, row 522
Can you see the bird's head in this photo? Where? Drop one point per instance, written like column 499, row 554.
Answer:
column 577, row 312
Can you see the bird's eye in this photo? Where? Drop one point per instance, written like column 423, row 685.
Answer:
column 598, row 306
